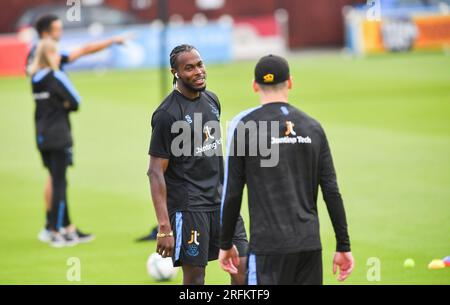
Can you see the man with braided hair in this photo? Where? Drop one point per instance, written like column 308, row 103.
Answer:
column 186, row 181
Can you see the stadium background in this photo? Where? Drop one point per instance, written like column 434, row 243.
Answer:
column 380, row 89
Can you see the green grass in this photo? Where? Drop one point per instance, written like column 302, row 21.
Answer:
column 387, row 119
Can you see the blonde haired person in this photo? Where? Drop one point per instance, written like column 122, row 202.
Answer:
column 55, row 98
column 46, row 56
column 50, row 26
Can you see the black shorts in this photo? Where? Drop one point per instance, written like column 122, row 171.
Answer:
column 303, row 268
column 197, row 237
column 46, row 156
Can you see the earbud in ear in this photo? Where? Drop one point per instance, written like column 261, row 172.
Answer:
column 176, row 76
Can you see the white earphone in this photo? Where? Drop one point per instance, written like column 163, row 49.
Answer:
column 176, row 76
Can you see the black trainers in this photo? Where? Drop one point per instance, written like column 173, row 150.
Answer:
column 151, row 236
column 84, row 237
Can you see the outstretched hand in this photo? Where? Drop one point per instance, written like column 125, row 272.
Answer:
column 122, row 39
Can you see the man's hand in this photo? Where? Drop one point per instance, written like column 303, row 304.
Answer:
column 345, row 262
column 165, row 245
column 98, row 46
column 229, row 260
column 119, row 39
column 122, row 39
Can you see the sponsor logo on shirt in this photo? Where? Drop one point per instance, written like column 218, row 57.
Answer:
column 290, row 136
column 290, row 129
column 205, row 137
column 207, row 133
column 208, row 147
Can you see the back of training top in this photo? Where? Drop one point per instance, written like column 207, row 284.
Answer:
column 283, row 198
column 55, row 97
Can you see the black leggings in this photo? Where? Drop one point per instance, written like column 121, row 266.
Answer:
column 57, row 163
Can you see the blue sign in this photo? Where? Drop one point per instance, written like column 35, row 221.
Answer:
column 214, row 42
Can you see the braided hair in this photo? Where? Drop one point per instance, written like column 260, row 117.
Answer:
column 174, row 56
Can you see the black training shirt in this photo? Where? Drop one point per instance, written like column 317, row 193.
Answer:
column 193, row 177
column 282, row 199
column 55, row 97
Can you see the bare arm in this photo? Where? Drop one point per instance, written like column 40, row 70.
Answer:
column 158, row 189
column 94, row 47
